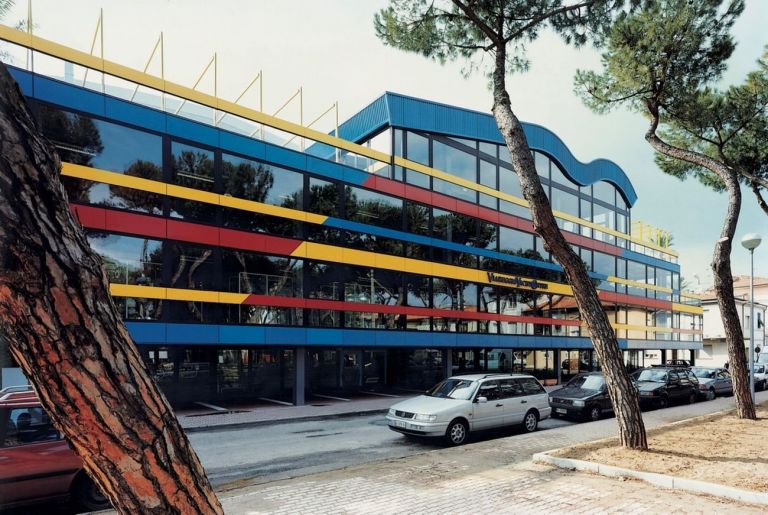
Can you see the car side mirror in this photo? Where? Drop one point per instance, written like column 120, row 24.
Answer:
column 481, row 400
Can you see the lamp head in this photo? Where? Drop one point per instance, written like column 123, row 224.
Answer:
column 751, row 241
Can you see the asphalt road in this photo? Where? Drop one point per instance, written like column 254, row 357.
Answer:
column 267, row 453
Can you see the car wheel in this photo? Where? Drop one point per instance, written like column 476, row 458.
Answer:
column 594, row 413
column 711, row 394
column 662, row 403
column 692, row 398
column 88, row 495
column 457, row 432
column 530, row 422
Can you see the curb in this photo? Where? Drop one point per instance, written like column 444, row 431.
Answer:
column 272, row 422
column 660, row 480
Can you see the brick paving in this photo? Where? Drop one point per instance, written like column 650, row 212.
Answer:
column 492, row 476
column 444, row 488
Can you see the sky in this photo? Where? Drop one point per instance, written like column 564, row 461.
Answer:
column 329, row 49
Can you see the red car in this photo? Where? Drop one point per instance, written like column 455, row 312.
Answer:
column 36, row 463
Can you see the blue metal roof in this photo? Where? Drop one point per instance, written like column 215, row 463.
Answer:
column 401, row 111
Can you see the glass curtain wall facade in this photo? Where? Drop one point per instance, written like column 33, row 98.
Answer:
column 252, row 271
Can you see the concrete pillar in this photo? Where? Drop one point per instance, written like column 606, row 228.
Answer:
column 300, row 362
column 448, row 362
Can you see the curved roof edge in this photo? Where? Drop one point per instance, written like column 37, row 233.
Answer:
column 402, row 111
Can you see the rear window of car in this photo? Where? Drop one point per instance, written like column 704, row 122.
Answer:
column 26, row 425
column 530, row 386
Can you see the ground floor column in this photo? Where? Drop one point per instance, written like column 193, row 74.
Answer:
column 448, row 362
column 300, row 357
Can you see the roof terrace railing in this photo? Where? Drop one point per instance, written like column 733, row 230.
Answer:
column 50, row 59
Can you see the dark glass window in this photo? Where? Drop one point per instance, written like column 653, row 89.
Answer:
column 191, row 267
column 323, row 197
column 260, row 182
column 90, row 142
column 514, row 209
column 417, row 218
column 192, row 167
column 518, row 243
column 129, row 260
column 636, row 272
column 371, row 208
column 454, row 227
column 605, row 264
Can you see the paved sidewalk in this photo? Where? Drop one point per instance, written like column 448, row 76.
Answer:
column 492, row 476
column 205, row 419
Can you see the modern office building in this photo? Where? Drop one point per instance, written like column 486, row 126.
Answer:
column 253, row 258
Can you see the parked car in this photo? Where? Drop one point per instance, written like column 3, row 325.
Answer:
column 713, row 381
column 36, row 463
column 585, row 396
column 661, row 385
column 463, row 404
column 761, row 376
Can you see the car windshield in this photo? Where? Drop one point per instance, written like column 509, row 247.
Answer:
column 586, row 382
column 461, row 389
column 703, row 373
column 655, row 376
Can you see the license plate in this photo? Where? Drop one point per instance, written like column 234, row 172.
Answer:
column 561, row 410
column 398, row 423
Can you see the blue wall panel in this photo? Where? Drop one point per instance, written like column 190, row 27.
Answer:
column 192, row 333
column 188, row 129
column 143, row 332
column 241, row 335
column 23, row 78
column 242, row 145
column 68, row 95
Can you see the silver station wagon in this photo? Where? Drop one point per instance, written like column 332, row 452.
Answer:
column 462, row 404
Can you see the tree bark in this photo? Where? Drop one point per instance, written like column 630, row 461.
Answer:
column 622, row 391
column 64, row 331
column 759, row 196
column 721, row 264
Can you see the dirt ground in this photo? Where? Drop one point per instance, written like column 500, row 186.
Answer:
column 716, row 448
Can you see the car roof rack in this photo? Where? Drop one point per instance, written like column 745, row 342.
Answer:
column 15, row 389
column 494, row 375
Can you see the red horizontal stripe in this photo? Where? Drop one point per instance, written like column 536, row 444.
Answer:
column 621, row 298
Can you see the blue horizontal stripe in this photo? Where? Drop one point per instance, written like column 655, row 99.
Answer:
column 157, row 333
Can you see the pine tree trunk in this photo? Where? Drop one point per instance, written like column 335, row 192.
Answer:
column 621, row 390
column 64, row 331
column 721, row 267
column 760, row 200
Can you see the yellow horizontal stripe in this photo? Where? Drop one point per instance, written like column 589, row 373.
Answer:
column 637, row 284
column 129, row 290
column 172, row 190
column 183, row 294
column 69, row 54
column 685, row 308
column 113, row 178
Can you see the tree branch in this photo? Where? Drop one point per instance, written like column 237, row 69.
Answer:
column 760, row 199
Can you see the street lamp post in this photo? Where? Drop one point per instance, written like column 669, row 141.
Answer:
column 751, row 242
